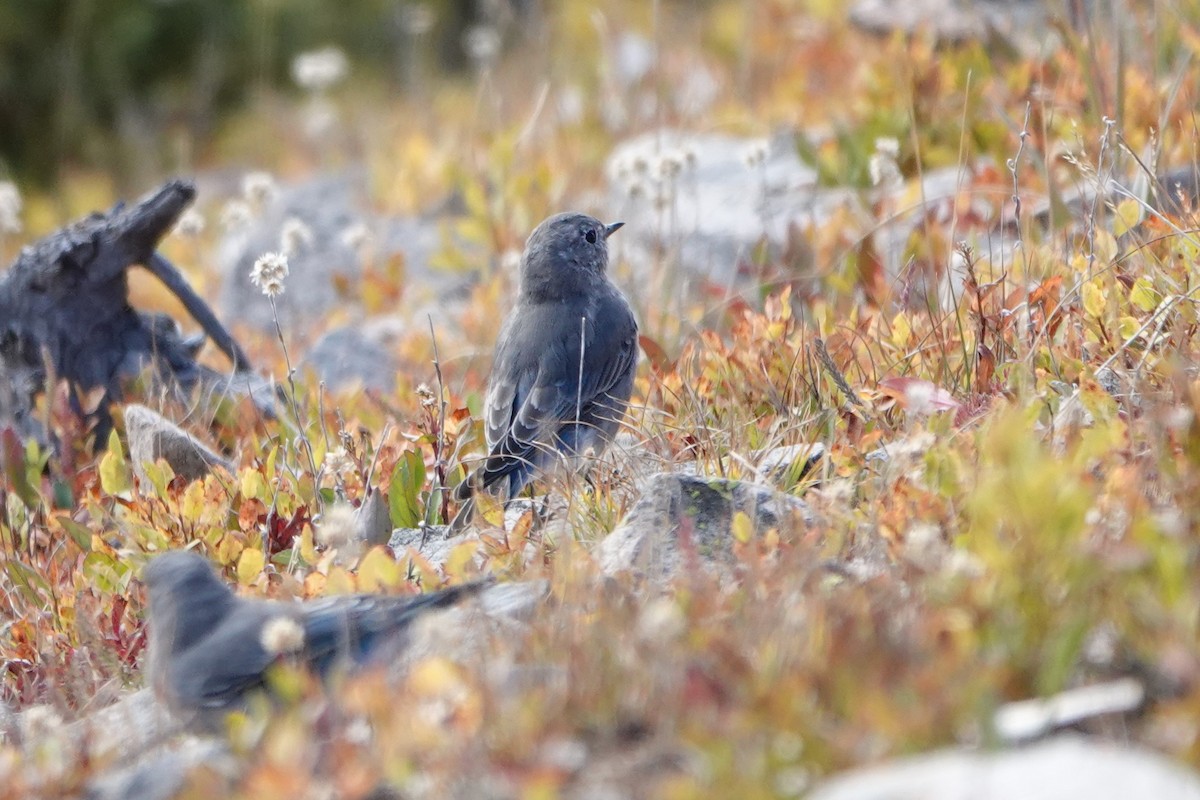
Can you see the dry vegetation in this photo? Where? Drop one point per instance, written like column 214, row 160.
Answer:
column 1036, row 516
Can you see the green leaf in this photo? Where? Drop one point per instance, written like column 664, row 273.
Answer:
column 103, row 572
column 78, row 533
column 1143, row 294
column 404, row 490
column 114, row 470
column 13, row 458
column 28, row 581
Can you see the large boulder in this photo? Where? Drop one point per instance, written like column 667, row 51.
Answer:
column 152, row 436
column 687, row 517
column 1063, row 768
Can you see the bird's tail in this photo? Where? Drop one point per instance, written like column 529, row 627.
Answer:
column 466, row 512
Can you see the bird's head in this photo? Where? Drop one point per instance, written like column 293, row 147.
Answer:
column 567, row 247
column 186, row 597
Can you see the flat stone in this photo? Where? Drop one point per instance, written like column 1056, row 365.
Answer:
column 152, row 436
column 681, row 517
column 718, row 207
column 1063, row 768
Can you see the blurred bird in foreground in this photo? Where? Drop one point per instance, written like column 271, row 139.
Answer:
column 208, row 648
column 564, row 363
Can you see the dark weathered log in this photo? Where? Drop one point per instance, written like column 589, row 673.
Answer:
column 65, row 304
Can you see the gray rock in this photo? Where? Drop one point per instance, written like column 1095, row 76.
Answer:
column 798, row 459
column 373, row 521
column 433, row 542
column 720, row 203
column 1022, row 23
column 1063, row 768
column 680, row 517
column 163, row 772
column 152, row 436
column 356, row 355
column 335, row 209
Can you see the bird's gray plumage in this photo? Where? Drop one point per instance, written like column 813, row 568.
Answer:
column 206, row 648
column 565, row 360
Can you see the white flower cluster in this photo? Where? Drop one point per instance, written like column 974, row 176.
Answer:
column 269, row 272
column 754, row 154
column 259, row 188
column 295, row 236
column 482, row 44
column 883, row 165
column 282, row 635
column 190, row 224
column 654, row 176
column 320, row 70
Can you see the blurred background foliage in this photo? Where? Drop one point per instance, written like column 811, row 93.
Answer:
column 115, row 83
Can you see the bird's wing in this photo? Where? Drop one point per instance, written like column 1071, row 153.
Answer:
column 218, row 670
column 349, row 628
column 543, row 381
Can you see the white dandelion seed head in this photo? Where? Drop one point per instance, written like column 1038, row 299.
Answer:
column 669, row 165
column 295, row 236
column 338, row 525
column 754, row 154
column 510, row 261
column 338, row 461
column 190, row 224
column 269, row 272
column 482, row 44
column 259, row 188
column 282, row 635
column 319, row 70
column 428, row 398
column 356, row 236
column 920, row 398
column 236, row 216
column 888, row 146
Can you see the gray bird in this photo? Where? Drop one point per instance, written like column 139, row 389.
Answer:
column 564, row 363
column 208, row 648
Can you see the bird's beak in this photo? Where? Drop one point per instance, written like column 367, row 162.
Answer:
column 609, row 230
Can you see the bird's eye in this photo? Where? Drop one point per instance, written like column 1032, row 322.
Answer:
column 590, row 236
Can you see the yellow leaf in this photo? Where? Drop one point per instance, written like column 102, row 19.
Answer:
column 1104, row 246
column 254, row 485
column 490, row 508
column 1128, row 214
column 114, row 472
column 250, row 565
column 229, row 549
column 1144, row 295
column 742, row 527
column 460, row 558
column 339, row 581
column 1093, row 299
column 1127, row 327
column 308, row 547
column 901, row 330
column 378, row 571
column 434, row 676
